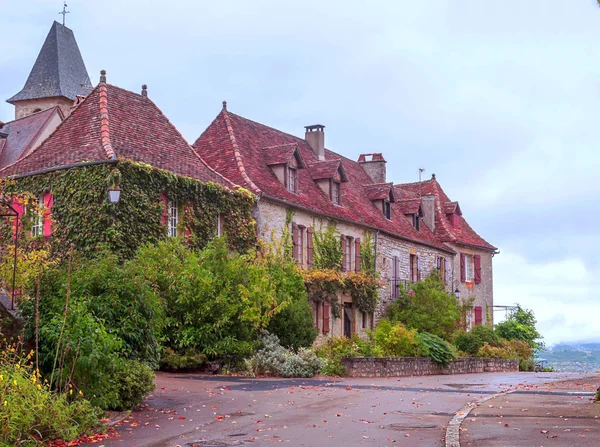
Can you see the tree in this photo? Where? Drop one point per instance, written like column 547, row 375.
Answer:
column 520, row 325
column 427, row 307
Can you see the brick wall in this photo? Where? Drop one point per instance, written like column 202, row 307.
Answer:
column 423, row 366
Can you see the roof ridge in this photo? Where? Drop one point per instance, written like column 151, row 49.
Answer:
column 29, row 116
column 104, row 122
column 236, row 151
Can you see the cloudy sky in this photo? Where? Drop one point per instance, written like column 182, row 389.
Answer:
column 499, row 99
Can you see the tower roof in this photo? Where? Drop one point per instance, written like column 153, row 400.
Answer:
column 58, row 70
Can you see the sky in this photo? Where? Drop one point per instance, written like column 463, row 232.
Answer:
column 499, row 99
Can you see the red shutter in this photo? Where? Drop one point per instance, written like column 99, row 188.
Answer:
column 357, row 258
column 309, row 246
column 463, row 272
column 295, row 241
column 478, row 316
column 477, row 262
column 48, row 202
column 326, row 328
column 165, row 215
column 343, row 242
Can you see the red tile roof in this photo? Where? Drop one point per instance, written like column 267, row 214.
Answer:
column 233, row 146
column 327, row 169
column 112, row 123
column 462, row 233
column 380, row 191
column 409, row 206
column 278, row 155
column 21, row 135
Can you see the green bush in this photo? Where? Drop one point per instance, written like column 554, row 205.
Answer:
column 437, row 349
column 133, row 381
column 173, row 361
column 336, row 348
column 305, row 363
column 467, row 342
column 520, row 325
column 395, row 340
column 486, row 334
column 427, row 307
column 31, row 413
column 488, row 351
column 294, row 323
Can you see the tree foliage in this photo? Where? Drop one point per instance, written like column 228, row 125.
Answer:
column 520, row 325
column 427, row 307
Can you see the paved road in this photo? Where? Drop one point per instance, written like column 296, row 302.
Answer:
column 187, row 410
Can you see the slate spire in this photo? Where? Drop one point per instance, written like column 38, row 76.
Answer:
column 59, row 70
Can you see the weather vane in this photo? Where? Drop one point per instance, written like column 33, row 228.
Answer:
column 64, row 12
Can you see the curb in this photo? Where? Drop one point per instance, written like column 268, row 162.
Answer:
column 453, row 428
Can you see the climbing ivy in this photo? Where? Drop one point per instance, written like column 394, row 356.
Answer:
column 327, row 248
column 83, row 216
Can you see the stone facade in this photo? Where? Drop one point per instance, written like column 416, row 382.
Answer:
column 26, row 108
column 423, row 366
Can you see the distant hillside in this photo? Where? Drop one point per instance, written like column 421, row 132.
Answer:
column 573, row 357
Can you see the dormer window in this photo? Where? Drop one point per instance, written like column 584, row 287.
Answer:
column 292, row 179
column 387, row 209
column 416, row 221
column 335, row 192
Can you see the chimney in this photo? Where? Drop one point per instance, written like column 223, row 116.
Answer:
column 145, row 91
column 428, row 206
column 315, row 137
column 374, row 166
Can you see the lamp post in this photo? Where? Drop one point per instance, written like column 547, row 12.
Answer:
column 114, row 194
column 457, row 294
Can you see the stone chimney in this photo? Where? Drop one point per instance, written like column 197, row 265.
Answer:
column 428, row 207
column 315, row 137
column 374, row 166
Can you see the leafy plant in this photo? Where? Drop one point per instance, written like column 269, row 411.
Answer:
column 427, row 307
column 189, row 359
column 133, row 381
column 520, row 325
column 327, row 249
column 336, row 348
column 395, row 340
column 436, row 348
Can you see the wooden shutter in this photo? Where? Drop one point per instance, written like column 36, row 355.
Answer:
column 309, row 246
column 478, row 316
column 48, row 202
column 165, row 215
column 343, row 242
column 463, row 271
column 477, row 262
column 295, row 241
column 357, row 258
column 326, row 328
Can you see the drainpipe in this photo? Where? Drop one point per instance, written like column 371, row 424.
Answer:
column 375, row 257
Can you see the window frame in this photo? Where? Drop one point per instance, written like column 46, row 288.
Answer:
column 292, row 179
column 300, row 244
column 336, row 187
column 469, row 268
column 416, row 222
column 414, row 268
column 37, row 227
column 172, row 217
column 387, row 209
column 349, row 253
column 220, row 225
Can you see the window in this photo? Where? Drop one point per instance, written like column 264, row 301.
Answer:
column 335, row 192
column 414, row 268
column 395, row 283
column 172, row 218
column 37, row 229
column 348, row 253
column 416, row 222
column 292, row 180
column 441, row 266
column 364, row 320
column 387, row 209
column 220, row 224
column 300, row 245
column 468, row 268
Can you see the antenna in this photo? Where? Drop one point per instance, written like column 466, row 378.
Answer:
column 421, row 170
column 64, row 12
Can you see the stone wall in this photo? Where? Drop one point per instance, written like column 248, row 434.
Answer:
column 422, row 366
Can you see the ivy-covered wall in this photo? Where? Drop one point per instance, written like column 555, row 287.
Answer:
column 82, row 214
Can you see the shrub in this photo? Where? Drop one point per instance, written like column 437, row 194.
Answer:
column 133, row 381
column 427, row 307
column 395, row 340
column 294, row 323
column 437, row 349
column 493, row 352
column 467, row 342
column 336, row 348
column 173, row 361
column 520, row 325
column 274, row 359
column 486, row 334
column 31, row 412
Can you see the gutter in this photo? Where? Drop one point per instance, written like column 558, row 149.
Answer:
column 80, row 164
column 493, row 251
column 341, row 219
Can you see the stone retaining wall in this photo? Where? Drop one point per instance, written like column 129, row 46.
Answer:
column 422, row 366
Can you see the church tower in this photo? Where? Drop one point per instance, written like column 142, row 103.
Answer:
column 57, row 77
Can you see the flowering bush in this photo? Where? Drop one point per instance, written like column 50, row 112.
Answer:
column 31, row 413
